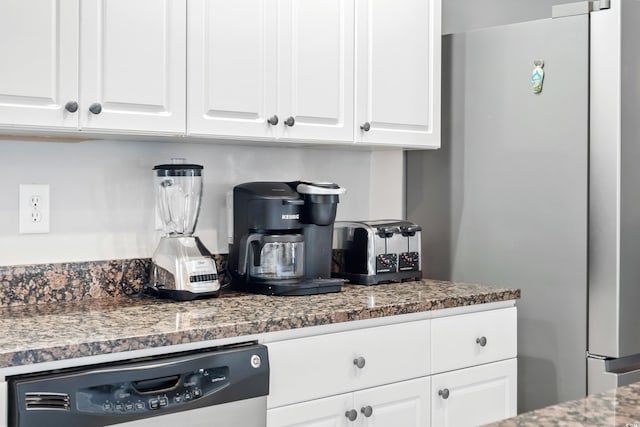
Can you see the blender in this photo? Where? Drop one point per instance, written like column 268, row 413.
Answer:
column 182, row 267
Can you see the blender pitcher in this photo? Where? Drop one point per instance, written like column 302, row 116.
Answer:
column 178, row 195
column 182, row 267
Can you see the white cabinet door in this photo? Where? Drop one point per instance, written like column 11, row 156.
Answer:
column 316, row 41
column 403, row 404
column 398, row 72
column 474, row 396
column 133, row 65
column 4, row 399
column 328, row 412
column 232, row 65
column 38, row 62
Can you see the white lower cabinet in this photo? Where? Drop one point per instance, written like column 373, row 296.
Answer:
column 403, row 404
column 474, row 396
column 4, row 399
column 325, row 365
column 327, row 412
column 452, row 369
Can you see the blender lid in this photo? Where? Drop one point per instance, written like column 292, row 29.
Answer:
column 178, row 169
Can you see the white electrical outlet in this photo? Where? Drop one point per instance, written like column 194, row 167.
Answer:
column 34, row 208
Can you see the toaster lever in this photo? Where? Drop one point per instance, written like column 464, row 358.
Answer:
column 386, row 232
column 410, row 230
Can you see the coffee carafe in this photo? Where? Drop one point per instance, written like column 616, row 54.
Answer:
column 182, row 267
column 282, row 237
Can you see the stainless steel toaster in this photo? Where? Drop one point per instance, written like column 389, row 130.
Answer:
column 372, row 252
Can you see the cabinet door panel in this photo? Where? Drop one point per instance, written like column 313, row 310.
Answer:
column 324, row 365
column 133, row 62
column 328, row 412
column 402, row 404
column 232, row 68
column 316, row 68
column 457, row 341
column 398, row 72
column 476, row 396
column 39, row 66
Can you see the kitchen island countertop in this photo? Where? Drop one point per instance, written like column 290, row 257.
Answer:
column 53, row 332
column 617, row 407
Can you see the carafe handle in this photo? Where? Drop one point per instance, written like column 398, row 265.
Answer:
column 245, row 243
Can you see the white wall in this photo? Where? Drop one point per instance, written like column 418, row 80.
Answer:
column 102, row 203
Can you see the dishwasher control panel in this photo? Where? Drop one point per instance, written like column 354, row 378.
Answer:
column 152, row 394
column 141, row 388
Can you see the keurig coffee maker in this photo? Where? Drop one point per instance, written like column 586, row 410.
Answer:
column 282, row 237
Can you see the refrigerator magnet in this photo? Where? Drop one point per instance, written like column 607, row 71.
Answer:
column 537, row 76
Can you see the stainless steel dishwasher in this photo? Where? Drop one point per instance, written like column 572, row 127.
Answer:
column 225, row 386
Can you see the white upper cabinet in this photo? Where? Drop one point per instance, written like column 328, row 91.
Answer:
column 302, row 71
column 270, row 69
column 38, row 63
column 133, row 65
column 316, row 69
column 232, row 63
column 398, row 72
column 114, row 65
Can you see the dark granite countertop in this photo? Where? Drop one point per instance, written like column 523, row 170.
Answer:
column 51, row 332
column 618, row 407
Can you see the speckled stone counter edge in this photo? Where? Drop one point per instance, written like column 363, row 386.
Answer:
column 129, row 324
column 76, row 281
column 617, row 407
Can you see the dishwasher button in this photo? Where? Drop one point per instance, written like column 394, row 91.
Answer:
column 139, row 405
column 119, row 407
column 164, row 401
column 107, row 406
column 128, row 406
column 177, row 399
column 154, row 404
column 256, row 361
column 197, row 393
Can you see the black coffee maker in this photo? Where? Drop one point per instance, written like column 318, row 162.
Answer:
column 282, row 237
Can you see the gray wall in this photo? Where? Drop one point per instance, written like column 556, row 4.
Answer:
column 464, row 15
column 499, row 191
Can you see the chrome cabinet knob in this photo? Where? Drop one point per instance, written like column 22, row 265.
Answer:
column 351, row 414
column 444, row 393
column 482, row 341
column 95, row 108
column 367, row 411
column 290, row 121
column 366, row 126
column 71, row 106
column 359, row 362
column 273, row 120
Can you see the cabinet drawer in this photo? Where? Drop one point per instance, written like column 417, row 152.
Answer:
column 324, row 365
column 473, row 339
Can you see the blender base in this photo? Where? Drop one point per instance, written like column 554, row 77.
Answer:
column 180, row 295
column 288, row 288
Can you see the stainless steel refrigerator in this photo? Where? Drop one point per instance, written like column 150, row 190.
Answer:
column 542, row 190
